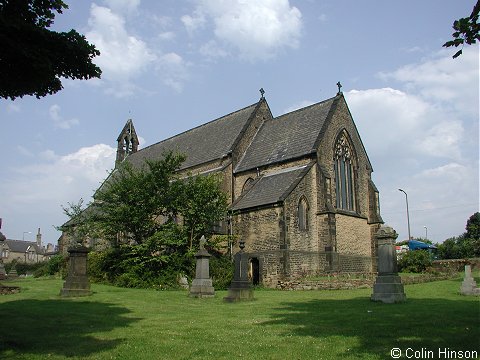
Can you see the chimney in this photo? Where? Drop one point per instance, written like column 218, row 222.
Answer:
column 39, row 239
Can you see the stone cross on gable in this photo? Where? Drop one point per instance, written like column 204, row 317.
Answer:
column 262, row 92
column 339, row 87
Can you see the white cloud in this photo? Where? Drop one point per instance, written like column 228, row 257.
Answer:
column 193, row 22
column 256, row 29
column 58, row 176
column 59, row 121
column 440, row 78
column 33, row 194
column 211, row 50
column 419, row 138
column 174, row 70
column 123, row 6
column 123, row 56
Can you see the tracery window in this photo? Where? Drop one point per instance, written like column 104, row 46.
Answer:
column 302, row 214
column 344, row 173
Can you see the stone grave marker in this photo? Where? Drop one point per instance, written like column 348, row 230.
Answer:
column 202, row 284
column 76, row 283
column 240, row 288
column 388, row 287
column 469, row 286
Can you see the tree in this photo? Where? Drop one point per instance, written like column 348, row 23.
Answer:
column 473, row 226
column 78, row 228
column 473, row 233
column 466, row 245
column 133, row 199
column 153, row 220
column 202, row 206
column 34, row 58
column 467, row 30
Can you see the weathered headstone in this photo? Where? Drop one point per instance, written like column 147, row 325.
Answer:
column 77, row 283
column 240, row 288
column 3, row 273
column 202, row 284
column 469, row 286
column 388, row 287
column 12, row 274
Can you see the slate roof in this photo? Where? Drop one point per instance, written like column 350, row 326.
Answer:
column 22, row 246
column 202, row 144
column 288, row 136
column 272, row 188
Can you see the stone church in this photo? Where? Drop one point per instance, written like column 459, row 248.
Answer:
column 299, row 185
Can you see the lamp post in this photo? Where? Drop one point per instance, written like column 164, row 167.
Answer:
column 408, row 214
column 25, row 232
column 426, row 233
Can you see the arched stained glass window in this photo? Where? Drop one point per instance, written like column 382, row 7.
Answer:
column 344, row 173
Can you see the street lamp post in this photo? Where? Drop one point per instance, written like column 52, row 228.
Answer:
column 408, row 214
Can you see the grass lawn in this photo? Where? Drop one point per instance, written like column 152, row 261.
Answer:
column 116, row 323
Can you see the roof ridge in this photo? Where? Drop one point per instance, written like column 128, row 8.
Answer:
column 306, row 107
column 197, row 127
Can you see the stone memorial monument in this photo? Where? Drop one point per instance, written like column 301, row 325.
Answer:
column 388, row 287
column 240, row 288
column 3, row 273
column 469, row 286
column 12, row 274
column 202, row 284
column 76, row 283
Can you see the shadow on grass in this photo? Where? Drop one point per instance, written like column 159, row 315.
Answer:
column 69, row 328
column 375, row 328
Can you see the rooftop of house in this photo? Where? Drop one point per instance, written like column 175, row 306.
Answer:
column 23, row 246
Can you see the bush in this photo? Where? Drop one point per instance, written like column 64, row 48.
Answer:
column 24, row 269
column 416, row 261
column 57, row 265
column 221, row 271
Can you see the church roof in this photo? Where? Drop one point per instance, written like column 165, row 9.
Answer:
column 271, row 188
column 202, row 144
column 287, row 137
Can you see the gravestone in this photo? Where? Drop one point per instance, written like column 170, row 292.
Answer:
column 469, row 286
column 3, row 273
column 12, row 274
column 76, row 283
column 240, row 288
column 202, row 284
column 388, row 287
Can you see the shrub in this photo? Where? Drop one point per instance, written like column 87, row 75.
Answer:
column 221, row 271
column 56, row 265
column 416, row 261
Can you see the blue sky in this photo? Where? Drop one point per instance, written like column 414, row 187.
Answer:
column 171, row 65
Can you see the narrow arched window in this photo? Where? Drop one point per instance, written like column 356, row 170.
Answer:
column 344, row 173
column 302, row 214
column 247, row 185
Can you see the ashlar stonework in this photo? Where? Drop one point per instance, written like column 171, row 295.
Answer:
column 299, row 185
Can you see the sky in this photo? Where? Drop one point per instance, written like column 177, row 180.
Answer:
column 172, row 65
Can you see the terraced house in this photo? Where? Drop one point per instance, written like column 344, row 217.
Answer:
column 299, row 185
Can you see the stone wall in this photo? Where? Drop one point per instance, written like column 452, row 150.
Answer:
column 353, row 243
column 354, row 281
column 455, row 265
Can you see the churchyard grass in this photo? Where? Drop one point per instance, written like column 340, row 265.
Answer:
column 117, row 323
